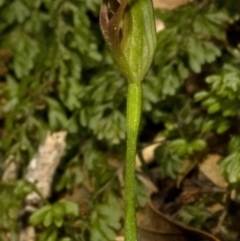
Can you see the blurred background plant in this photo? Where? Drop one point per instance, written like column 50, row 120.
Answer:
column 56, row 74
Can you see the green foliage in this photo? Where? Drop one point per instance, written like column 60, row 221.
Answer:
column 105, row 219
column 230, row 164
column 141, row 194
column 7, row 219
column 12, row 196
column 54, row 214
column 171, row 154
column 194, row 215
column 187, row 45
column 56, row 74
column 103, row 113
column 55, row 219
column 72, row 174
column 221, row 102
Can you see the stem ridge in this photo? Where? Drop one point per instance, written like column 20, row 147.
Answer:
column 134, row 97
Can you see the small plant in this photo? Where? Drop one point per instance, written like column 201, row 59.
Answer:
column 52, row 217
column 129, row 31
column 56, row 74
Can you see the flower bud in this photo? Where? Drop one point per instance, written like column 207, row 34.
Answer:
column 129, row 30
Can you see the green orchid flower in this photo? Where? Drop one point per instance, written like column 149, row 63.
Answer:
column 129, row 30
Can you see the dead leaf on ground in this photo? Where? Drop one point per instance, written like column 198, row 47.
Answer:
column 210, row 168
column 148, row 152
column 155, row 226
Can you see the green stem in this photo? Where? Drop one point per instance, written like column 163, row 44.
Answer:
column 134, row 98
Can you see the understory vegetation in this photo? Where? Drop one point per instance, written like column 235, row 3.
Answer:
column 56, row 74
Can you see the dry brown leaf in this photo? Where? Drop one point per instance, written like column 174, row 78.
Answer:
column 155, row 226
column 216, row 207
column 210, row 168
column 169, row 4
column 148, row 152
column 10, row 169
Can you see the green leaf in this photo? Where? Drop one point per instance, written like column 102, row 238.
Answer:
column 141, row 194
column 201, row 95
column 109, row 234
column 183, row 71
column 209, row 101
column 44, row 235
column 26, row 49
column 232, row 111
column 195, row 215
column 23, row 188
column 65, row 180
column 65, row 239
column 212, row 52
column 194, row 64
column 58, row 210
column 16, row 11
column 231, row 168
column 106, row 219
column 223, row 126
column 48, row 218
column 198, row 145
column 214, row 108
column 38, row 216
column 213, row 79
column 170, row 163
column 58, row 222
column 169, row 81
column 208, row 126
column 234, row 144
column 179, row 147
column 52, row 236
column 56, row 114
column 71, row 208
